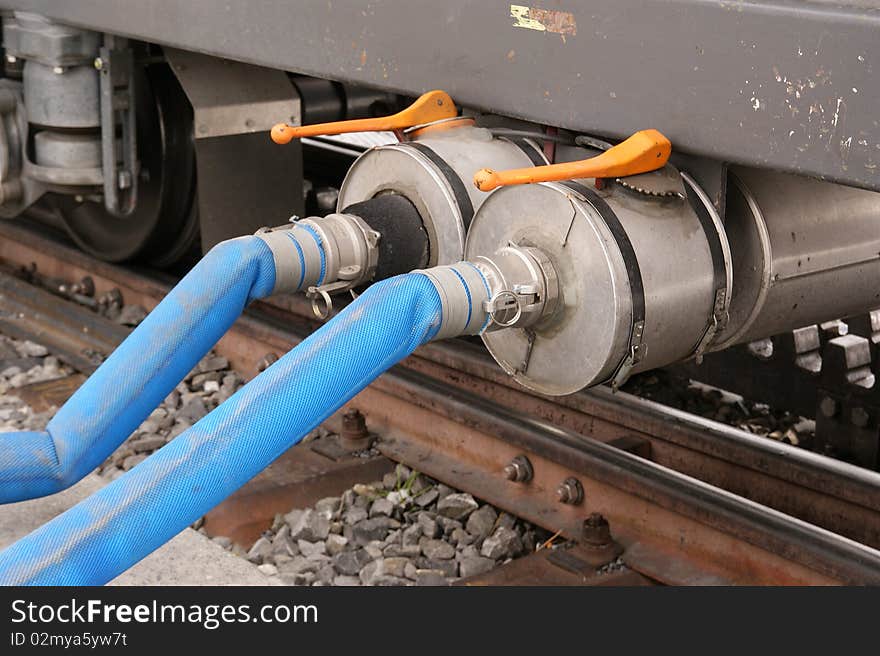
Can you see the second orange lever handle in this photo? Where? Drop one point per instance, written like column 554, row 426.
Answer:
column 430, row 106
column 646, row 150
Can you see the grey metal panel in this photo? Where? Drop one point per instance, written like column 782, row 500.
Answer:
column 229, row 97
column 781, row 83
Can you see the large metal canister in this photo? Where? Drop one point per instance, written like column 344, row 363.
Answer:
column 435, row 172
column 639, row 276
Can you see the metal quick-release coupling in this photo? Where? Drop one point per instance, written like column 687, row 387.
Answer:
column 515, row 288
column 524, row 284
column 322, row 256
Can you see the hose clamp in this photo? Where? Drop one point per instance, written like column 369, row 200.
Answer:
column 463, row 291
column 351, row 249
column 502, row 301
column 291, row 259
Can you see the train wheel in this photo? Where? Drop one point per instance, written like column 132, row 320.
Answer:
column 164, row 225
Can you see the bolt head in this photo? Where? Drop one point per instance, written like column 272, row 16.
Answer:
column 11, row 59
column 860, row 417
column 267, row 361
column 596, row 530
column 519, row 470
column 124, row 180
column 828, row 407
column 570, row 491
column 58, row 70
column 99, row 63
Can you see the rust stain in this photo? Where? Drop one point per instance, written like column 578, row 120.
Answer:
column 544, row 20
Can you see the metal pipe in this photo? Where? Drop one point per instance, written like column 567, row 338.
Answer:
column 804, row 251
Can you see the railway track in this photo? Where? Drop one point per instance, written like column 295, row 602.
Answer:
column 687, row 500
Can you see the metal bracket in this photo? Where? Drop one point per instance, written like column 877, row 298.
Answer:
column 116, row 67
column 348, row 277
column 637, row 351
column 244, row 178
column 718, row 322
column 527, row 358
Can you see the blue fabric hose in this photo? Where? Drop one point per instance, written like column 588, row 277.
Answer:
column 139, row 374
column 113, row 529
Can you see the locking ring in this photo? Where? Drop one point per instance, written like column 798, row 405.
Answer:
column 493, row 302
column 317, row 293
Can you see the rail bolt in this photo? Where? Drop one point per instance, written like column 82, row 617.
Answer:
column 598, row 545
column 266, row 361
column 596, row 531
column 828, row 407
column 519, row 470
column 354, row 435
column 570, row 492
column 860, row 417
column 85, row 287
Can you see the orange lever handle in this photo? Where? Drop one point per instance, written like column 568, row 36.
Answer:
column 646, row 150
column 430, row 106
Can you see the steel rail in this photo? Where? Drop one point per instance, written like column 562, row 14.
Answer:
column 427, row 389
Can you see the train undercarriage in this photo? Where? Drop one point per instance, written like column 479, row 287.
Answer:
column 590, row 195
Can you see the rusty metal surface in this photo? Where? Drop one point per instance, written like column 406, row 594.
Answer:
column 74, row 333
column 820, row 490
column 467, row 442
column 539, row 569
column 668, row 568
column 443, row 425
column 49, row 393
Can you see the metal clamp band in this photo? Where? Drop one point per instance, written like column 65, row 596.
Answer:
column 713, row 229
column 290, row 264
column 463, row 292
column 462, row 198
column 637, row 347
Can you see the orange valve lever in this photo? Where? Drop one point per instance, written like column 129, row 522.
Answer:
column 430, row 106
column 646, row 150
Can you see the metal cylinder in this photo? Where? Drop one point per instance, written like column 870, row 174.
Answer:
column 435, row 171
column 804, row 251
column 62, row 97
column 325, row 101
column 639, row 278
column 67, row 150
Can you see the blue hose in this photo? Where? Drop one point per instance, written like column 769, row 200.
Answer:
column 139, row 374
column 107, row 533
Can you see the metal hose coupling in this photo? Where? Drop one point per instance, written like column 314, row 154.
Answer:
column 517, row 287
column 322, row 256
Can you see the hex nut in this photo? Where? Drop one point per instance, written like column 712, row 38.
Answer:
column 859, row 417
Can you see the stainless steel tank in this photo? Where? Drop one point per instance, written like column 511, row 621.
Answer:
column 641, row 277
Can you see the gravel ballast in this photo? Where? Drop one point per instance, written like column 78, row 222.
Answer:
column 22, row 363
column 404, row 530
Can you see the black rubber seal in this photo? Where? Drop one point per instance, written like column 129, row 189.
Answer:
column 631, row 262
column 462, row 199
column 403, row 245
